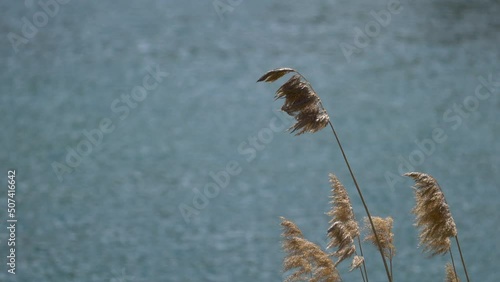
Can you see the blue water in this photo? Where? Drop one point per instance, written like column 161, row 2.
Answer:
column 113, row 211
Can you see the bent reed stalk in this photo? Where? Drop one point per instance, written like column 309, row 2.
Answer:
column 388, row 272
column 304, row 104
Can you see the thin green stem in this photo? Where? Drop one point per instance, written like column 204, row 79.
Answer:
column 362, row 201
column 462, row 258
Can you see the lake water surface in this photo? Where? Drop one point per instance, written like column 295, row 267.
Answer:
column 103, row 177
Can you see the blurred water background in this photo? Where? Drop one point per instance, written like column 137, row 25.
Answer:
column 115, row 215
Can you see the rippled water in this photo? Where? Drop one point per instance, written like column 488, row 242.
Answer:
column 114, row 214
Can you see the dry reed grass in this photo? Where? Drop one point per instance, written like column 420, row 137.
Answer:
column 308, row 261
column 451, row 276
column 386, row 238
column 433, row 217
column 357, row 261
column 343, row 226
column 385, row 242
column 301, row 101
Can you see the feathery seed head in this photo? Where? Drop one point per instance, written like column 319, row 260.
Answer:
column 357, row 261
column 290, row 229
column 341, row 207
column 307, row 259
column 343, row 228
column 301, row 101
column 383, row 227
column 450, row 274
column 433, row 216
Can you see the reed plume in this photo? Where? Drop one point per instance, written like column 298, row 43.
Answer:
column 301, row 101
column 357, row 261
column 341, row 207
column 385, row 242
column 306, row 258
column 451, row 276
column 340, row 238
column 433, row 216
column 386, row 237
column 343, row 226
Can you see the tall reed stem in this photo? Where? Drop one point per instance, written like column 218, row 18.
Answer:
column 462, row 258
column 453, row 264
column 458, row 245
column 364, row 264
column 362, row 200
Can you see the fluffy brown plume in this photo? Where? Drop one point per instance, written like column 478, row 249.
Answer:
column 301, row 101
column 385, row 235
column 433, row 216
column 343, row 228
column 306, row 258
column 341, row 207
column 357, row 261
column 450, row 274
column 340, row 238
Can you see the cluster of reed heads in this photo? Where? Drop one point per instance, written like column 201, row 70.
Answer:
column 305, row 260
